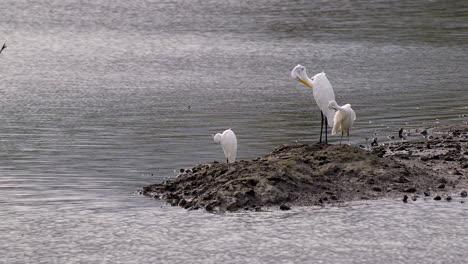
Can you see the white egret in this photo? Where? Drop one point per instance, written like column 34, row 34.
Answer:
column 343, row 119
column 323, row 94
column 228, row 141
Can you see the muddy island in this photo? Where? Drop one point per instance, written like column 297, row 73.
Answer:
column 435, row 166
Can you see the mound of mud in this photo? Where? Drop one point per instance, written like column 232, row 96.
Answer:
column 320, row 174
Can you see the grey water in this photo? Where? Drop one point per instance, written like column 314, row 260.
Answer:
column 100, row 98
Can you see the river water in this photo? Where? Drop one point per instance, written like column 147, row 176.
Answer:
column 99, row 98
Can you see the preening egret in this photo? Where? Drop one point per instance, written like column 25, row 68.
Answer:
column 228, row 141
column 323, row 94
column 343, row 119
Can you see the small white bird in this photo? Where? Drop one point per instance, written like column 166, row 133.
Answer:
column 343, row 119
column 228, row 141
column 322, row 91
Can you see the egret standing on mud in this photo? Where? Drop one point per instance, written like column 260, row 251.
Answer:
column 323, row 94
column 228, row 141
column 343, row 119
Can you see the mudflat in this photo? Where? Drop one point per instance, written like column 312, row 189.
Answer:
column 433, row 166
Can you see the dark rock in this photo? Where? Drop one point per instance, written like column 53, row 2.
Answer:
column 182, row 170
column 284, row 207
column 403, row 156
column 182, row 202
column 400, row 133
column 370, row 181
column 405, row 198
column 442, row 180
column 427, row 194
column 424, row 133
column 376, row 189
column 209, row 207
column 464, row 194
column 402, row 179
column 424, row 158
column 448, row 198
column 414, row 198
column 437, row 198
column 410, row 190
column 441, row 186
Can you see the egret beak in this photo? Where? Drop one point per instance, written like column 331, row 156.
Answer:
column 304, row 82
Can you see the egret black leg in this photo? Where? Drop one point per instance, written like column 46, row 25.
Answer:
column 227, row 160
column 341, row 137
column 321, row 126
column 326, row 130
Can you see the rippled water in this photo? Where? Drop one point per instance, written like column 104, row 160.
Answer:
column 94, row 104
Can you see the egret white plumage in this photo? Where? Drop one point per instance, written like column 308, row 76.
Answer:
column 323, row 94
column 343, row 119
column 228, row 142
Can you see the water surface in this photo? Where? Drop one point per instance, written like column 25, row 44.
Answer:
column 94, row 104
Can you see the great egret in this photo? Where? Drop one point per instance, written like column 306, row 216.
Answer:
column 228, row 141
column 343, row 119
column 322, row 91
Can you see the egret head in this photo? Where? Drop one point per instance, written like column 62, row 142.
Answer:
column 333, row 105
column 217, row 138
column 299, row 73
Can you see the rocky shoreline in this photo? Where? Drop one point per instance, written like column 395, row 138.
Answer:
column 318, row 174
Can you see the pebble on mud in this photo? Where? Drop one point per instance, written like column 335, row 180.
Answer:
column 437, row 198
column 405, row 198
column 284, row 207
column 448, row 198
column 464, row 194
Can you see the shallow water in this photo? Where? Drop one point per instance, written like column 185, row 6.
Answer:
column 94, row 104
column 361, row 232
